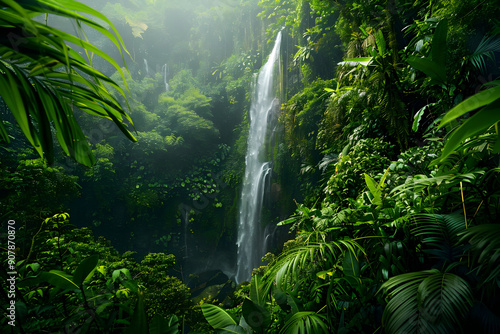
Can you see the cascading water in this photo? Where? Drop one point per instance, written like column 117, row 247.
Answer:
column 164, row 69
column 146, row 67
column 251, row 244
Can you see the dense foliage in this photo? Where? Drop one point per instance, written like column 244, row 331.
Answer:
column 385, row 170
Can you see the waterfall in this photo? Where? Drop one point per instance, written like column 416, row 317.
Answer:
column 263, row 118
column 146, row 66
column 164, row 69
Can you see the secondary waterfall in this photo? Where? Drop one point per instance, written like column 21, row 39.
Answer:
column 164, row 70
column 146, row 67
column 263, row 119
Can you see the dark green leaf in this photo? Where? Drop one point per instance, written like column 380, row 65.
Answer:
column 59, row 279
column 439, row 49
column 139, row 322
column 472, row 103
column 217, row 317
column 84, row 269
column 256, row 316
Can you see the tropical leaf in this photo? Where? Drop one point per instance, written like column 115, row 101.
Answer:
column 476, row 124
column 160, row 325
column 485, row 247
column 42, row 78
column 418, row 117
column 474, row 102
column 381, row 45
column 485, row 241
column 435, row 65
column 440, row 233
column 439, row 49
column 139, row 322
column 318, row 256
column 486, row 49
column 85, row 269
column 429, row 67
column 256, row 290
column 59, row 279
column 217, row 317
column 426, row 302
column 232, row 329
column 256, row 316
column 305, row 323
column 376, row 188
column 350, row 264
column 420, row 182
column 363, row 61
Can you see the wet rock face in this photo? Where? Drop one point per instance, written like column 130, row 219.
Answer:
column 275, row 192
column 198, row 283
column 213, row 284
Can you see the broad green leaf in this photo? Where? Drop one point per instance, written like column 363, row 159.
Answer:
column 217, row 317
column 139, row 322
column 116, row 274
column 474, row 102
column 350, row 264
column 379, row 39
column 417, row 118
column 288, row 221
column 372, row 185
column 429, row 67
column 160, row 325
column 233, row 329
column 364, row 61
column 33, row 96
column 439, row 49
column 14, row 100
column 479, row 122
column 382, row 180
column 256, row 316
column 102, row 307
column 281, row 299
column 322, row 274
column 305, row 322
column 84, row 269
column 59, row 279
column 256, row 290
column 31, row 281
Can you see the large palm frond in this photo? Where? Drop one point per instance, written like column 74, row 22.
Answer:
column 485, row 246
column 440, row 233
column 426, row 302
column 485, row 50
column 304, row 323
column 42, row 78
